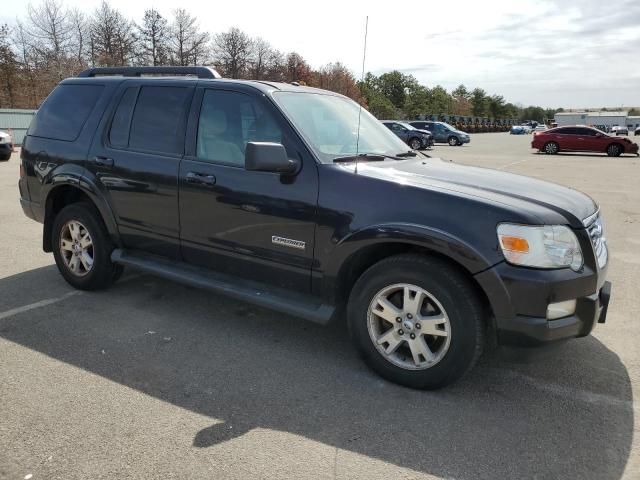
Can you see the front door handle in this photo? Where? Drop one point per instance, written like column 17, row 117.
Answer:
column 201, row 178
column 103, row 162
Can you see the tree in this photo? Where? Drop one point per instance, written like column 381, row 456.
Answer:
column 478, row 102
column 298, row 69
column 231, row 52
column 634, row 112
column 8, row 70
column 154, row 38
column 337, row 78
column 112, row 38
column 392, row 85
column 495, row 105
column 187, row 43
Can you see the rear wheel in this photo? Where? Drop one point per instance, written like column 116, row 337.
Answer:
column 551, row 148
column 82, row 248
column 453, row 141
column 416, row 321
column 614, row 150
column 415, row 143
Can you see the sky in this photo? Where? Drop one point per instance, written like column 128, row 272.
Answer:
column 552, row 53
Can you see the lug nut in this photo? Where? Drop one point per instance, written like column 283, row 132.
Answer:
column 418, row 326
column 413, row 335
column 400, row 332
column 398, row 319
column 409, row 316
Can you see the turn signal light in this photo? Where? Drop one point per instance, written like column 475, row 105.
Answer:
column 514, row 244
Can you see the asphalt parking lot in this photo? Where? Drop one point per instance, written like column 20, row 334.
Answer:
column 151, row 379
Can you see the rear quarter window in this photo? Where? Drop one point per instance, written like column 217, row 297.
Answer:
column 65, row 111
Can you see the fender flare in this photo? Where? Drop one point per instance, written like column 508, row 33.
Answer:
column 74, row 177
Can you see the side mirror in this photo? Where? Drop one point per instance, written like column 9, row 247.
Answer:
column 268, row 157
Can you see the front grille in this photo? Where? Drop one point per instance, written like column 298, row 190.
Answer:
column 595, row 229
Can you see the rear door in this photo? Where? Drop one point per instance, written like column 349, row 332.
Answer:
column 137, row 161
column 256, row 225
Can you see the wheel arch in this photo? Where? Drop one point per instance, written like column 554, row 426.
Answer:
column 364, row 254
column 67, row 190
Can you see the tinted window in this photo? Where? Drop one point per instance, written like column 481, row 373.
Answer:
column 228, row 121
column 158, row 119
column 65, row 111
column 586, row 132
column 567, row 131
column 119, row 133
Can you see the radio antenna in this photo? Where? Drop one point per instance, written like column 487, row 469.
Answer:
column 364, row 56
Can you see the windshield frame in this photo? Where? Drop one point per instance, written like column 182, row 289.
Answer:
column 398, row 146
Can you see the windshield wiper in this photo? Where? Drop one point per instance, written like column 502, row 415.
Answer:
column 410, row 153
column 369, row 157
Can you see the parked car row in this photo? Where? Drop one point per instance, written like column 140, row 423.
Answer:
column 421, row 134
column 580, row 138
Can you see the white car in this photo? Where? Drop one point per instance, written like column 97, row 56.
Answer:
column 541, row 127
column 618, row 130
column 637, row 132
column 527, row 128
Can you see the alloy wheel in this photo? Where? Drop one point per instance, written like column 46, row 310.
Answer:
column 409, row 326
column 76, row 248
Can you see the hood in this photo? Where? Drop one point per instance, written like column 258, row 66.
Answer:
column 516, row 191
column 425, row 132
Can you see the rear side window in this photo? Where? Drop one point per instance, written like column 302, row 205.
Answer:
column 65, row 112
column 119, row 133
column 158, row 119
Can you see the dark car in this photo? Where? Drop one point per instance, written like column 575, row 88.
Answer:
column 6, row 146
column 295, row 199
column 443, row 132
column 417, row 139
column 581, row 139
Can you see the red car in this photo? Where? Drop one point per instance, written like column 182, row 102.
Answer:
column 581, row 139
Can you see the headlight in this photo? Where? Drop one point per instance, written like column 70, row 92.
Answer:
column 548, row 246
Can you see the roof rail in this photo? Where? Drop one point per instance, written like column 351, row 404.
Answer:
column 200, row 72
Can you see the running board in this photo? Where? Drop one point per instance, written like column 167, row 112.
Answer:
column 274, row 298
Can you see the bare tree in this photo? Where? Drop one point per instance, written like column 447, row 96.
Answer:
column 154, row 36
column 26, row 58
column 50, row 32
column 80, row 36
column 8, row 69
column 337, row 78
column 231, row 52
column 261, row 56
column 298, row 69
column 112, row 37
column 188, row 44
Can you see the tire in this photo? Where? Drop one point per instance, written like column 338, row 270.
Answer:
column 69, row 251
column 453, row 141
column 415, row 143
column 4, row 159
column 614, row 150
column 551, row 148
column 452, row 300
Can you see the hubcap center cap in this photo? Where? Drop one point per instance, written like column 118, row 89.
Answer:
column 407, row 324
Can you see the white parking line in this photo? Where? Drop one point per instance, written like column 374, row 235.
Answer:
column 511, row 164
column 41, row 303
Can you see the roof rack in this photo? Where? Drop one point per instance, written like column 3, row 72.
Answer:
column 200, row 72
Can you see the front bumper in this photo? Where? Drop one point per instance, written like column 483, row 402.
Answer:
column 464, row 139
column 519, row 298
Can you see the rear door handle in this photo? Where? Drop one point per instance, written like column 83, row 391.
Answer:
column 201, row 178
column 103, row 162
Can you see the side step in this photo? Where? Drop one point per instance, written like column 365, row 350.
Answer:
column 274, row 298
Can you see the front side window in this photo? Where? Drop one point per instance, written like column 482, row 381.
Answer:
column 228, row 121
column 329, row 123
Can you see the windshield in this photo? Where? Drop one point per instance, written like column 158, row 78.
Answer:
column 446, row 125
column 330, row 125
column 407, row 126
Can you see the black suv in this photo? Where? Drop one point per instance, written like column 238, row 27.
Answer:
column 270, row 193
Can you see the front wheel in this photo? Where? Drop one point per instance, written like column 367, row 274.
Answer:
column 614, row 150
column 453, row 141
column 82, row 248
column 551, row 148
column 417, row 321
column 415, row 143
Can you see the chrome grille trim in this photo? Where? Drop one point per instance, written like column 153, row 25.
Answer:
column 595, row 229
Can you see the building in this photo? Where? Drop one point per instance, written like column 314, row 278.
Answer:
column 15, row 122
column 604, row 120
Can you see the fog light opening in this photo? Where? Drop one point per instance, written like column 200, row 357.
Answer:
column 561, row 309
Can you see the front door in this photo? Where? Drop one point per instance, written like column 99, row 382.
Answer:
column 137, row 161
column 256, row 225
